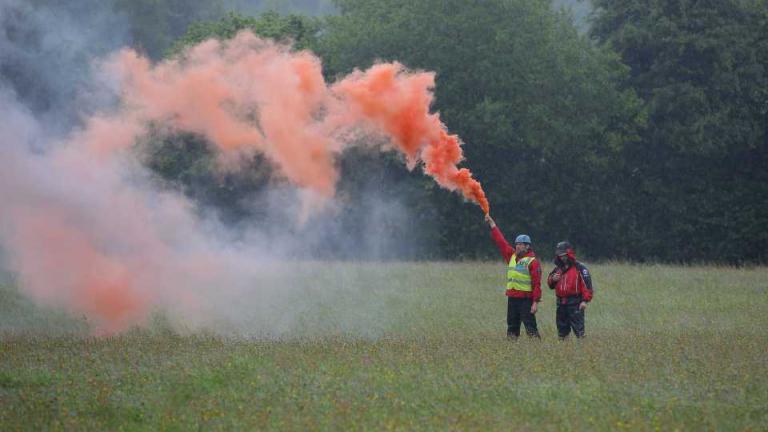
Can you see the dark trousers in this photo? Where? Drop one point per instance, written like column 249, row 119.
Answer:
column 519, row 309
column 569, row 317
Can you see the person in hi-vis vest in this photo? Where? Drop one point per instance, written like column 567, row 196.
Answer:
column 523, row 281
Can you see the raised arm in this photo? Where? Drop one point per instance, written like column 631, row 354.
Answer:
column 502, row 244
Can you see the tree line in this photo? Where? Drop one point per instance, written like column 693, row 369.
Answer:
column 644, row 138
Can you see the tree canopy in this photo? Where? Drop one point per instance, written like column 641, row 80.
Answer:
column 699, row 172
column 536, row 103
column 644, row 140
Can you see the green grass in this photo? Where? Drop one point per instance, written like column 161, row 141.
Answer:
column 668, row 348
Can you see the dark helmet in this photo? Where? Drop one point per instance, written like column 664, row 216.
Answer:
column 563, row 248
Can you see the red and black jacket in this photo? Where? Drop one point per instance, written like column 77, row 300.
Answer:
column 575, row 284
column 534, row 267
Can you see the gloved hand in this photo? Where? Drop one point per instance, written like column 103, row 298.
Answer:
column 489, row 220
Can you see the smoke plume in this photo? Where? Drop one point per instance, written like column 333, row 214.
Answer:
column 87, row 228
column 250, row 95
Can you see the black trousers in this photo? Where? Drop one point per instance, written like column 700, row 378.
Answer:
column 568, row 316
column 519, row 309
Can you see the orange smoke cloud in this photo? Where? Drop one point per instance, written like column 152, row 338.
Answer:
column 97, row 239
column 397, row 102
column 246, row 95
column 250, row 95
column 95, row 284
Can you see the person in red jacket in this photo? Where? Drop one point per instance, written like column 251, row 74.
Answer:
column 523, row 282
column 573, row 287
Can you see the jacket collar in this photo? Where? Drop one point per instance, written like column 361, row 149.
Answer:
column 530, row 253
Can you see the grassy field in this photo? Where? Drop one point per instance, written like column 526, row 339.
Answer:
column 668, row 348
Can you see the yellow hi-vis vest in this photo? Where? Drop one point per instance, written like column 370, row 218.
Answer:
column 518, row 275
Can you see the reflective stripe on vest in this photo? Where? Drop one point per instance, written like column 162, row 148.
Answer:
column 518, row 275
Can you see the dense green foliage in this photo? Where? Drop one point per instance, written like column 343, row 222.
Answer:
column 698, row 179
column 653, row 360
column 156, row 25
column 520, row 81
column 308, row 7
column 298, row 30
column 580, row 11
column 646, row 139
column 536, row 103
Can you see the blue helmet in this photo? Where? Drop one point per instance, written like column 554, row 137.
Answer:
column 523, row 238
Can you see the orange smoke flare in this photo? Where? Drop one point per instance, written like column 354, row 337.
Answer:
column 102, row 250
column 397, row 103
column 251, row 95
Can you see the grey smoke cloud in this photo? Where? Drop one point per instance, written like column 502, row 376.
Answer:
column 46, row 50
